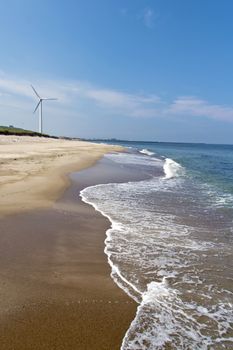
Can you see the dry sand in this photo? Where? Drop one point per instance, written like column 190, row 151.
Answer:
column 33, row 169
column 55, row 287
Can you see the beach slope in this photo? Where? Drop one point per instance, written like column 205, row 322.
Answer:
column 56, row 291
column 33, row 171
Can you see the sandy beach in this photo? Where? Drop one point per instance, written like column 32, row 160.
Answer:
column 56, row 290
column 33, row 172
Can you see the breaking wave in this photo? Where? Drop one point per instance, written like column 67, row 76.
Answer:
column 172, row 169
column 147, row 152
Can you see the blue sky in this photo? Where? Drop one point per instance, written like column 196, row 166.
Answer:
column 142, row 70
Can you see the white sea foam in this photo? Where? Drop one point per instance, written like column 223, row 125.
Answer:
column 154, row 258
column 164, row 320
column 172, row 169
column 132, row 158
column 147, row 152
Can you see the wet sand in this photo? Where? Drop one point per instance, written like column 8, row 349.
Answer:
column 55, row 287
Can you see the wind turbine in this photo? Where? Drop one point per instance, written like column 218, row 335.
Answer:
column 40, row 104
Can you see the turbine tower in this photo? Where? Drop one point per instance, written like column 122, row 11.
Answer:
column 40, row 105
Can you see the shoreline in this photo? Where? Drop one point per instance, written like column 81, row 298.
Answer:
column 56, row 290
column 34, row 170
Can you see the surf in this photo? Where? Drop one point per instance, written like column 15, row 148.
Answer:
column 172, row 169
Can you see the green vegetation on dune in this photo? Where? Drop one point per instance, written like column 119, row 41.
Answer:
column 11, row 130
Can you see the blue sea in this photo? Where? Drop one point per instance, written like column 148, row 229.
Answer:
column 170, row 245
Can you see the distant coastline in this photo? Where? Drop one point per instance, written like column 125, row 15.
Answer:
column 115, row 140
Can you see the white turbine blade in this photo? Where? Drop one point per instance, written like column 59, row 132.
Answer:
column 35, row 92
column 37, row 106
column 49, row 99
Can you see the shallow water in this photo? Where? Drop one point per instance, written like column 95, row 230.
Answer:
column 170, row 249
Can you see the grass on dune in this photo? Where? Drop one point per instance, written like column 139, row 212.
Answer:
column 11, row 130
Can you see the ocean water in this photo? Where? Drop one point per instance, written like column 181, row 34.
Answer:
column 170, row 245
